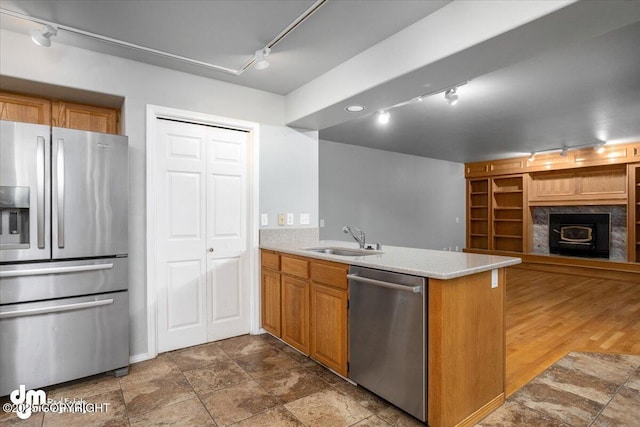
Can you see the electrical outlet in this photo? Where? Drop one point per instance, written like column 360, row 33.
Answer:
column 304, row 219
column 264, row 219
column 281, row 219
column 494, row 279
column 289, row 219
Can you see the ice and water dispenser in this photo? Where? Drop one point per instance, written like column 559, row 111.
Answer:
column 14, row 217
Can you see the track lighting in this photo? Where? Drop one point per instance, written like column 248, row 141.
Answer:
column 532, row 157
column 260, row 62
column 599, row 148
column 42, row 37
column 564, row 152
column 383, row 117
column 451, row 96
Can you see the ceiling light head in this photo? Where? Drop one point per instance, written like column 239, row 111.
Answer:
column 260, row 63
column 355, row 108
column 532, row 157
column 42, row 37
column 599, row 148
column 383, row 117
column 451, row 96
column 564, row 152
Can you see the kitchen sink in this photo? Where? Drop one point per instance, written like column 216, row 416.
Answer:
column 344, row 251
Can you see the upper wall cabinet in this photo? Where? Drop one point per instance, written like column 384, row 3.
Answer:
column 575, row 159
column 28, row 109
column 591, row 186
column 85, row 117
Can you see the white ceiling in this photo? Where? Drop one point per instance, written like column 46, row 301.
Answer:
column 520, row 98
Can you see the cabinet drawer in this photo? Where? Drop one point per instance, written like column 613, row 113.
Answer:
column 330, row 274
column 270, row 260
column 295, row 266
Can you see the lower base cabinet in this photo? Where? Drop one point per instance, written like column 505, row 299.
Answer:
column 329, row 327
column 295, row 312
column 304, row 302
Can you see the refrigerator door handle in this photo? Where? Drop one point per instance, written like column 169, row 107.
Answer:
column 55, row 270
column 60, row 179
column 40, row 160
column 54, row 309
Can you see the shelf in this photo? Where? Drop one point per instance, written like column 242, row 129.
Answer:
column 506, row 236
column 479, row 219
column 519, row 208
column 479, row 235
column 479, row 207
column 507, row 220
column 479, row 193
column 507, row 192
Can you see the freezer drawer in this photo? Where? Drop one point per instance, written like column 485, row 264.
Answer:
column 49, row 280
column 50, row 342
column 90, row 194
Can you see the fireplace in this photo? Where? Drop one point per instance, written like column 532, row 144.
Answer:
column 584, row 235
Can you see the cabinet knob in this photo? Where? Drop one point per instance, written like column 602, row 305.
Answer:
column 210, row 249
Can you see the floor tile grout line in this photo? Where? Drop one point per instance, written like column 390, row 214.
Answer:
column 612, row 397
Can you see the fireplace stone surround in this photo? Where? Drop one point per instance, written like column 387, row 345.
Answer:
column 618, row 236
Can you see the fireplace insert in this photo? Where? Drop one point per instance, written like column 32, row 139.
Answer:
column 585, row 235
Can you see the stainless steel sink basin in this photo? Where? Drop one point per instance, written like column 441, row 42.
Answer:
column 344, row 251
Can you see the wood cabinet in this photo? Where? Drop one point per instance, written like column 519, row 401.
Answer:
column 633, row 213
column 508, row 213
column 30, row 109
column 496, row 213
column 304, row 302
column 27, row 109
column 588, row 186
column 478, row 213
column 329, row 309
column 85, row 117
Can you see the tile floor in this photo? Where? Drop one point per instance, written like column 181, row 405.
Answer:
column 581, row 389
column 257, row 381
column 244, row 381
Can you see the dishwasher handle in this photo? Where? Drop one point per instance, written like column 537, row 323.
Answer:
column 414, row 289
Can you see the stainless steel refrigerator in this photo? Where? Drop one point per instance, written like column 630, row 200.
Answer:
column 63, row 255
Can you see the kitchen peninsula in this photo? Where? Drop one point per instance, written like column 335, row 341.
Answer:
column 305, row 303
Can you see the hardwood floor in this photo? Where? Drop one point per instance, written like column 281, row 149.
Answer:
column 549, row 315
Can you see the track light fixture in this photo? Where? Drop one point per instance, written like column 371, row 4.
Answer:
column 451, row 96
column 383, row 117
column 42, row 37
column 564, row 151
column 260, row 62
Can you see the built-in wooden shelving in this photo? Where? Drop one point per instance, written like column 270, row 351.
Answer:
column 478, row 213
column 508, row 213
column 634, row 211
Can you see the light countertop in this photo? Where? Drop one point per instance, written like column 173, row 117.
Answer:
column 419, row 262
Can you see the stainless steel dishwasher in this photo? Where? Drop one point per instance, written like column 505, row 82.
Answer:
column 387, row 330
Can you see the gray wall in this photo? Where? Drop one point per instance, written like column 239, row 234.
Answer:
column 396, row 199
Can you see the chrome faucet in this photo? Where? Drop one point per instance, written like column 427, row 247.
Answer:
column 360, row 238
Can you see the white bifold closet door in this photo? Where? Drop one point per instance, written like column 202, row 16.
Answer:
column 202, row 265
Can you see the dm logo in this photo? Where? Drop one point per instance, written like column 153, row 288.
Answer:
column 26, row 400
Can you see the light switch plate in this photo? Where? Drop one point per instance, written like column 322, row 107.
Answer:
column 264, row 219
column 494, row 279
column 304, row 219
column 281, row 219
column 289, row 219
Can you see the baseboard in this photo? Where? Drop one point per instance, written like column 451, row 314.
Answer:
column 141, row 357
column 492, row 405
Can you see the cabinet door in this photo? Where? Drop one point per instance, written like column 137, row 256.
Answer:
column 85, row 117
column 271, row 302
column 329, row 327
column 295, row 312
column 20, row 108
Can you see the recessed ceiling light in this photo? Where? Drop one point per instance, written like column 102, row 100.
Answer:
column 354, row 108
column 383, row 117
